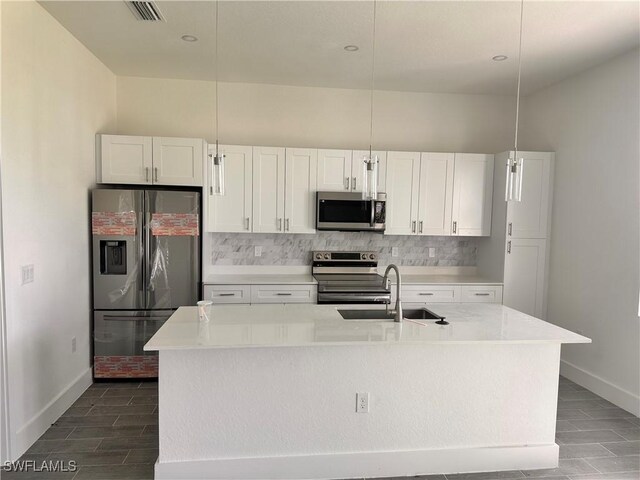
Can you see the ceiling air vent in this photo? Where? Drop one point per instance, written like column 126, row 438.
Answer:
column 146, row 11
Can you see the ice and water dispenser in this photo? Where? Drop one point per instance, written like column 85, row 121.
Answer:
column 113, row 257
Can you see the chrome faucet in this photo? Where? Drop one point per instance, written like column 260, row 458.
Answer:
column 397, row 312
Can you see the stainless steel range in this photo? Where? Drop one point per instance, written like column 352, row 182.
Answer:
column 349, row 277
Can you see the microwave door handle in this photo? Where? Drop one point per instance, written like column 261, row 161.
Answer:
column 373, row 212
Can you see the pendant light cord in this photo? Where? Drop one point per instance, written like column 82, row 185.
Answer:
column 373, row 65
column 515, row 142
column 216, row 74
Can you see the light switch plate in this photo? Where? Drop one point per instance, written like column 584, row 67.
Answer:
column 27, row 272
column 394, row 251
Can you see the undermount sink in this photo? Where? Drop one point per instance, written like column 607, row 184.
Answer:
column 383, row 315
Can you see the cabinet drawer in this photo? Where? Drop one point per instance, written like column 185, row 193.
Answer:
column 481, row 293
column 283, row 293
column 429, row 293
column 227, row 293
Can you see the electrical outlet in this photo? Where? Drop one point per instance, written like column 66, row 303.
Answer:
column 27, row 274
column 362, row 402
column 394, row 251
column 258, row 251
column 432, row 252
column 73, row 345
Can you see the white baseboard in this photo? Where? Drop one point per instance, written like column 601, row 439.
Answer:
column 41, row 421
column 364, row 464
column 598, row 385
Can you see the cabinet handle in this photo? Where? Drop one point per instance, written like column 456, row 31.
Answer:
column 211, row 176
column 226, row 294
column 509, row 247
column 247, row 223
column 455, row 227
column 353, row 183
column 286, row 225
column 427, row 294
column 420, row 229
column 283, row 294
column 509, row 228
column 346, row 183
column 146, row 174
column 482, row 294
column 413, row 227
column 280, row 224
column 155, row 173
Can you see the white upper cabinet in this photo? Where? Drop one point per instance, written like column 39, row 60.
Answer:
column 436, row 193
column 177, row 161
column 357, row 169
column 301, row 169
column 231, row 212
column 529, row 218
column 124, row 159
column 524, row 276
column 268, row 189
column 334, row 170
column 402, row 188
column 472, row 194
column 149, row 160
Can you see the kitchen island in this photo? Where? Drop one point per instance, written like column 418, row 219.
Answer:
column 269, row 392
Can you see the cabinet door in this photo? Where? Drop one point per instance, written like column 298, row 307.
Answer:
column 334, row 170
column 403, row 177
column 472, row 194
column 231, row 212
column 529, row 217
column 124, row 159
column 268, row 189
column 227, row 293
column 301, row 170
column 436, row 194
column 524, row 276
column 283, row 294
column 177, row 161
column 357, row 169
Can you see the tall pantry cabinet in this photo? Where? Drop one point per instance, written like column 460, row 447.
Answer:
column 518, row 250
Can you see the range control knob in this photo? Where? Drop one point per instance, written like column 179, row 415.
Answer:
column 318, row 256
column 372, row 256
column 364, row 256
column 327, row 256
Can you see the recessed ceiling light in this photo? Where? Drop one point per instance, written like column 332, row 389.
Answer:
column 189, row 38
column 499, row 58
column 352, row 48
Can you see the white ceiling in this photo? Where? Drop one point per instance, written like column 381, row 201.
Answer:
column 424, row 46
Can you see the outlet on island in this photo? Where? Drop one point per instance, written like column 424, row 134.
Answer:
column 362, row 402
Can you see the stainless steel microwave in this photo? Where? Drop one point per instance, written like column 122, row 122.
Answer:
column 347, row 211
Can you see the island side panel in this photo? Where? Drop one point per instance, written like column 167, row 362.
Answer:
column 240, row 403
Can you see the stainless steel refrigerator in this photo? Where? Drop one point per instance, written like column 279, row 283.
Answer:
column 146, row 264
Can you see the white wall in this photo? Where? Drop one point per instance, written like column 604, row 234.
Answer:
column 55, row 96
column 253, row 114
column 592, row 123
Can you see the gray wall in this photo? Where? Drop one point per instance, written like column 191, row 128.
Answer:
column 277, row 249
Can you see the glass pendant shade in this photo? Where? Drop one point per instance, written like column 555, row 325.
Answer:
column 217, row 175
column 370, row 177
column 513, row 189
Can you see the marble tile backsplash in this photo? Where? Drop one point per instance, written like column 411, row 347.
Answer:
column 279, row 249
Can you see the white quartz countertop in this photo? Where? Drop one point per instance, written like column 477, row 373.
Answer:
column 306, row 325
column 260, row 279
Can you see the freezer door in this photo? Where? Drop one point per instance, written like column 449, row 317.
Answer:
column 124, row 333
column 172, row 249
column 117, row 249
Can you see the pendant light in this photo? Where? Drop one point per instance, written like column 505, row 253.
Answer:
column 370, row 163
column 515, row 165
column 217, row 165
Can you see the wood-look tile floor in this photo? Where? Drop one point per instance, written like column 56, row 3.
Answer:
column 111, row 432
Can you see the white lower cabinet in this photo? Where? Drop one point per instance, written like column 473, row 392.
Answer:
column 283, row 293
column 220, row 294
column 524, row 276
column 481, row 294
